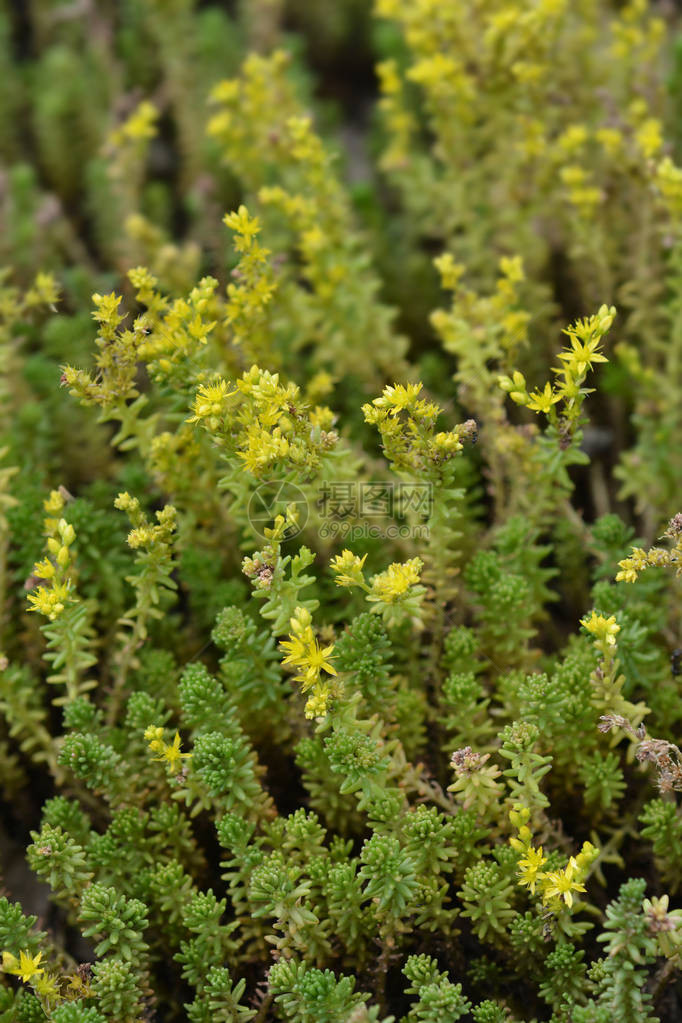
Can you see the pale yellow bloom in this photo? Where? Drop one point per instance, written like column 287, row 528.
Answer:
column 347, row 567
column 394, row 583
column 25, row 966
column 310, row 659
column 603, row 629
column 530, row 865
column 561, row 883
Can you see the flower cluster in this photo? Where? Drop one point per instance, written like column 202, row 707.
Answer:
column 276, row 368
column 249, row 295
column 51, row 989
column 582, row 353
column 556, row 886
column 395, row 593
column 393, row 585
column 56, row 569
column 657, row 557
column 497, row 321
column 144, row 535
column 139, row 126
column 211, row 404
column 407, row 424
column 269, row 427
column 310, row 660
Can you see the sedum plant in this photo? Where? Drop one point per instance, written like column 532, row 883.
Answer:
column 340, row 633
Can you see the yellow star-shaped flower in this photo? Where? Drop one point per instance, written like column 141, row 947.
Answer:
column 25, row 966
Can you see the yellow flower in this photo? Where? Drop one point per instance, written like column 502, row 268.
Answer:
column 447, row 443
column 573, row 138
column 512, row 268
column 45, row 290
column 649, row 138
column 124, row 502
column 669, row 181
column 610, row 139
column 582, row 354
column 170, row 752
column 347, row 568
column 66, row 532
column 450, row 272
column 587, row 855
column 154, row 736
column 139, row 537
column 242, row 224
column 318, row 661
column 542, row 401
column 139, row 127
column 603, row 629
column 47, row 987
column 317, row 702
column 632, row 566
column 519, row 815
column 209, row 402
column 305, row 653
column 44, row 569
column 529, row 866
column 263, row 447
column 25, row 966
column 320, row 384
column 54, row 503
column 585, row 336
column 49, row 602
column 173, row 755
column 391, row 585
column 561, row 884
column 396, row 397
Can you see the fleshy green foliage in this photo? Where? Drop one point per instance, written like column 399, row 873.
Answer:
column 220, row 1000
column 629, row 945
column 117, row 922
column 340, row 541
column 117, row 988
column 77, row 1012
column 662, row 826
column 364, row 649
column 310, row 995
column 16, row 930
column 438, row 998
column 60, row 860
column 223, row 765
